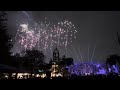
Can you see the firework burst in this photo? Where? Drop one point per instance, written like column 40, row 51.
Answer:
column 45, row 35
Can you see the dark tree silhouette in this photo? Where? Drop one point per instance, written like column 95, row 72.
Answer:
column 62, row 61
column 65, row 72
column 66, row 61
column 50, row 62
column 69, row 61
column 5, row 40
column 112, row 60
column 118, row 59
column 17, row 61
column 33, row 59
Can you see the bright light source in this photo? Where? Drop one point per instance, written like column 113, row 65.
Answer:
column 6, row 76
column 37, row 75
column 24, row 25
column 43, row 75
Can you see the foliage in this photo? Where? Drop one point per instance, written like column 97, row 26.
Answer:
column 5, row 40
column 33, row 59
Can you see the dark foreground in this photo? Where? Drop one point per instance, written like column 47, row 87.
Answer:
column 95, row 77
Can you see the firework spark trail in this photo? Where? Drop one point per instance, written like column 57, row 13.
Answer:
column 93, row 52
column 46, row 44
column 39, row 40
column 76, row 54
column 16, row 35
column 66, row 42
column 25, row 13
column 59, row 37
column 88, row 51
column 70, row 51
column 28, row 16
column 51, row 44
column 80, row 54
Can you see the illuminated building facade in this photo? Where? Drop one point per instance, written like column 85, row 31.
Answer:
column 55, row 72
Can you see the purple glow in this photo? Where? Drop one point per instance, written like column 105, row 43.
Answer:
column 115, row 69
column 84, row 69
column 101, row 71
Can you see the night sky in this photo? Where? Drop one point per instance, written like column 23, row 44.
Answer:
column 95, row 28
